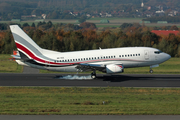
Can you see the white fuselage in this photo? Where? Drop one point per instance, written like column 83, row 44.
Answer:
column 128, row 56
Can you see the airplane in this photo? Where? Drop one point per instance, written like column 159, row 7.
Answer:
column 109, row 61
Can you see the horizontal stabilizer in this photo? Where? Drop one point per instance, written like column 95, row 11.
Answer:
column 16, row 57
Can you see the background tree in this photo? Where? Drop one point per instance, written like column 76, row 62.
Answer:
column 33, row 25
column 87, row 25
column 9, row 44
column 174, row 27
column 82, row 19
column 25, row 25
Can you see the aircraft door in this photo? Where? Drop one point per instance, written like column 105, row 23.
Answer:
column 146, row 55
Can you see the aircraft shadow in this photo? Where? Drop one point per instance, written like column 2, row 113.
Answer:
column 115, row 78
column 121, row 78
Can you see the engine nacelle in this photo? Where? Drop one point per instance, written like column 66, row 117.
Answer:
column 112, row 68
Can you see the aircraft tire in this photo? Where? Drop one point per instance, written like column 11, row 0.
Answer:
column 151, row 71
column 93, row 76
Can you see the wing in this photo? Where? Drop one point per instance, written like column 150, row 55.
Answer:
column 88, row 67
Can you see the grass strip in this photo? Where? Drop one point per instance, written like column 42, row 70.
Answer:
column 89, row 101
column 9, row 66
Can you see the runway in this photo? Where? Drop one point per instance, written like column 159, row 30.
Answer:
column 103, row 80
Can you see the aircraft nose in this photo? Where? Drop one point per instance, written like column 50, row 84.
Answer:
column 167, row 56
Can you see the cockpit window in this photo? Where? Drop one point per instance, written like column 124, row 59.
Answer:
column 157, row 52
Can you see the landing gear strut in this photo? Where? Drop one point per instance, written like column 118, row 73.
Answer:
column 151, row 71
column 152, row 66
column 93, row 74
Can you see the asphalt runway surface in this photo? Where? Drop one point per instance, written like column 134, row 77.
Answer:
column 103, row 80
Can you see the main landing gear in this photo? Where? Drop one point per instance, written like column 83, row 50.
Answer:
column 151, row 71
column 93, row 74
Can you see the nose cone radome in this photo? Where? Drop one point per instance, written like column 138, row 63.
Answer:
column 167, row 56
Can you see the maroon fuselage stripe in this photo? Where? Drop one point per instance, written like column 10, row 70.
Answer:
column 36, row 58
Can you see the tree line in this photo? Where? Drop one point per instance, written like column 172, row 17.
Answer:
column 88, row 39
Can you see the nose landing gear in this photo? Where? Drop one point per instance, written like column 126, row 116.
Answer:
column 152, row 66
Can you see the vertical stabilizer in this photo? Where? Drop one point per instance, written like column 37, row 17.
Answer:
column 24, row 43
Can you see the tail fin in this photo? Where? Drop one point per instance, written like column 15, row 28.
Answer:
column 25, row 45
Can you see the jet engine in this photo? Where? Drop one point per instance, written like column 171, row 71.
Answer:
column 112, row 68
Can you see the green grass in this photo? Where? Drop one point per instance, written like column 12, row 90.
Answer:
column 115, row 18
column 9, row 66
column 89, row 101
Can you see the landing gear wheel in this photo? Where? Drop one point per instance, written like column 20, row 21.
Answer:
column 151, row 71
column 93, row 75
